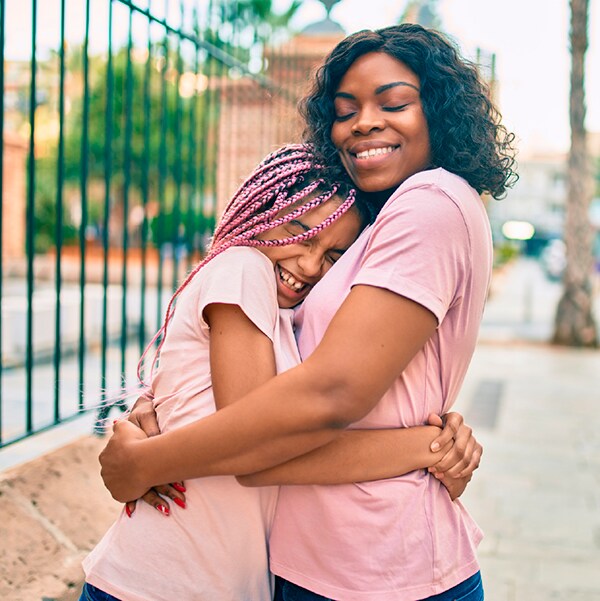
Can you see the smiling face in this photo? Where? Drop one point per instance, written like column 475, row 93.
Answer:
column 299, row 266
column 380, row 129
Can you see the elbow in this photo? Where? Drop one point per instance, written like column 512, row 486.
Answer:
column 249, row 480
column 341, row 407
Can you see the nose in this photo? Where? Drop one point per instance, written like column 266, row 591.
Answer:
column 312, row 263
column 367, row 120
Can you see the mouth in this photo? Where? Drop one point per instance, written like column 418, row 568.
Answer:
column 291, row 283
column 372, row 153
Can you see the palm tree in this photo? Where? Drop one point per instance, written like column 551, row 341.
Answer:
column 574, row 322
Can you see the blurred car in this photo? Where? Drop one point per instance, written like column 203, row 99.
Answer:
column 554, row 259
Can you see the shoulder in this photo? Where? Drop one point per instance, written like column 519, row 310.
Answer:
column 435, row 197
column 434, row 184
column 237, row 257
column 239, row 270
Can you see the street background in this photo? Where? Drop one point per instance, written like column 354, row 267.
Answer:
column 534, row 407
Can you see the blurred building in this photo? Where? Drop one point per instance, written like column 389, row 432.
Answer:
column 290, row 67
column 540, row 195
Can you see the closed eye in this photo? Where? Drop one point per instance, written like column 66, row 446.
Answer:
column 333, row 257
column 341, row 118
column 393, row 109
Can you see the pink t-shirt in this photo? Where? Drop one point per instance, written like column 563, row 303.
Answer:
column 215, row 549
column 399, row 539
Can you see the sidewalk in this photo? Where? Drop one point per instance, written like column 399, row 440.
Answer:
column 536, row 410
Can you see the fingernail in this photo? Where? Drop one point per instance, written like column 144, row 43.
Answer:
column 179, row 502
column 128, row 511
column 179, row 487
column 115, row 421
column 435, row 446
column 163, row 509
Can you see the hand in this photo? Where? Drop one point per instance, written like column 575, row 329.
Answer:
column 157, row 495
column 464, row 456
column 143, row 416
column 122, row 477
column 455, row 486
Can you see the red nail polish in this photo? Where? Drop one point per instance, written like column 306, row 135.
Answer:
column 163, row 509
column 128, row 511
column 179, row 502
column 178, row 486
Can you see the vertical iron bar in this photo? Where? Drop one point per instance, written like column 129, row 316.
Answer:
column 145, row 189
column 30, row 215
column 162, row 173
column 84, row 206
column 126, row 184
column 205, row 131
column 2, row 12
column 177, row 242
column 107, row 183
column 192, row 191
column 59, row 215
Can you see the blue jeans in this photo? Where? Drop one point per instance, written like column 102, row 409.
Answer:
column 91, row 593
column 470, row 589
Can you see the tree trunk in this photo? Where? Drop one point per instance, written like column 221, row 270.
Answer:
column 574, row 322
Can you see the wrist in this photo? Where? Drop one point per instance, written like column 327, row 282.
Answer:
column 138, row 466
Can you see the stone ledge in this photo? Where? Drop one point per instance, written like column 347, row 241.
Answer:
column 53, row 511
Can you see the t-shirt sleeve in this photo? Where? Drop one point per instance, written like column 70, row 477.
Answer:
column 419, row 248
column 244, row 277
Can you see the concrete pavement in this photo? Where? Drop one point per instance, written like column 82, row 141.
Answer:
column 536, row 410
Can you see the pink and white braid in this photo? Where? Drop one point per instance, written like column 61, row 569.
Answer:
column 255, row 208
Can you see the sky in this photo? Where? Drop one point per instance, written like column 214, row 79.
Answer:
column 528, row 37
column 530, row 40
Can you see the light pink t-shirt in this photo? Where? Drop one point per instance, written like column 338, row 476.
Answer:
column 399, row 539
column 215, row 549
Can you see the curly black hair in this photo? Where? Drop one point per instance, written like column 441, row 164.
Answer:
column 466, row 135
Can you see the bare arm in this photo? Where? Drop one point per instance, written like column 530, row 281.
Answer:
column 294, row 413
column 356, row 456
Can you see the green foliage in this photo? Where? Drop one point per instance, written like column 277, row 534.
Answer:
column 45, row 213
column 505, row 252
column 162, row 141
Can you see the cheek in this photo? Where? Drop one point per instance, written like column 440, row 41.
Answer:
column 339, row 133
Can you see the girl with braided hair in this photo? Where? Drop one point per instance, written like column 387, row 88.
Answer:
column 228, row 329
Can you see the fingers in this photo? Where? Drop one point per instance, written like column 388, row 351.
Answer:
column 143, row 416
column 434, row 419
column 130, row 508
column 455, row 486
column 157, row 497
column 473, row 463
column 452, row 424
column 462, row 459
column 171, row 492
column 153, row 499
column 454, row 461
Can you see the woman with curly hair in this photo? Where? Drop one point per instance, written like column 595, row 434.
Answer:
column 386, row 338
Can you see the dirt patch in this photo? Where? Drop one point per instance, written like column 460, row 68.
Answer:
column 53, row 510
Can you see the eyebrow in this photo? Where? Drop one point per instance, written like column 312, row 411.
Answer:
column 380, row 89
column 339, row 251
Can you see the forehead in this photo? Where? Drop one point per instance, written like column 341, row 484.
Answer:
column 375, row 69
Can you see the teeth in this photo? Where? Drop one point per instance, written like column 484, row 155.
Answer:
column 290, row 280
column 374, row 152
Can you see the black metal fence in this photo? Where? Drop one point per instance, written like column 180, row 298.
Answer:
column 125, row 127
